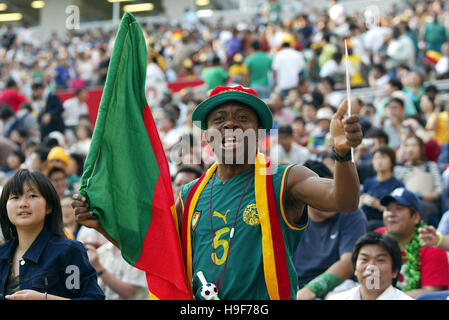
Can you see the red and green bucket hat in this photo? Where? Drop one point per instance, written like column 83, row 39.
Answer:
column 221, row 94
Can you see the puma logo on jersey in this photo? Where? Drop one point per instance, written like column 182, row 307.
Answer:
column 219, row 215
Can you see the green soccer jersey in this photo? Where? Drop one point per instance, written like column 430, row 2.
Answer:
column 236, row 264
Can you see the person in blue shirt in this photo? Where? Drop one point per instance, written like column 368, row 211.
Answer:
column 323, row 257
column 379, row 186
column 37, row 261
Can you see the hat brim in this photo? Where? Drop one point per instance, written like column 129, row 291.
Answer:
column 200, row 113
column 387, row 199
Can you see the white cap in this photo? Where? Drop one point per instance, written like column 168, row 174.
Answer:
column 324, row 113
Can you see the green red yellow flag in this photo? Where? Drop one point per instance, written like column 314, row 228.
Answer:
column 126, row 178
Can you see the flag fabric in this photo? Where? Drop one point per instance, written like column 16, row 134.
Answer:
column 126, row 178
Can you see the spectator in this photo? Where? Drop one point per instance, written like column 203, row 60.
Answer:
column 281, row 114
column 323, row 257
column 287, row 66
column 424, row 269
column 317, row 138
column 59, row 157
column 326, row 87
column 394, row 90
column 116, row 277
column 85, row 68
column 184, row 175
column 233, row 45
column 336, row 68
column 63, row 72
column 287, row 151
column 26, row 120
column 215, row 74
column 103, row 65
column 400, row 50
column 11, row 95
column 259, row 65
column 299, row 131
column 6, row 146
column 73, row 108
column 377, row 262
column 38, row 159
column 50, row 117
column 438, row 126
column 68, row 216
column 394, row 112
column 378, row 76
column 309, row 112
column 83, row 139
column 14, row 162
column 422, row 177
column 58, row 178
column 41, row 236
column 375, row 188
column 238, row 72
column 435, row 34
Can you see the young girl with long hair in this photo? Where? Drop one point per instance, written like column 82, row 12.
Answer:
column 37, row 261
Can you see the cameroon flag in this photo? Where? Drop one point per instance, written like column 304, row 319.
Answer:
column 126, row 179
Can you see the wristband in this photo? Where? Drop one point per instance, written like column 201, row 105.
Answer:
column 440, row 238
column 340, row 158
column 100, row 273
column 323, row 284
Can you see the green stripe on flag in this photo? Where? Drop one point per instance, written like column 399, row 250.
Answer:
column 121, row 170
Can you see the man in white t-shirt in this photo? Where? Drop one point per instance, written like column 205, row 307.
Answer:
column 287, row 66
column 117, row 278
column 73, row 108
column 377, row 261
column 287, row 151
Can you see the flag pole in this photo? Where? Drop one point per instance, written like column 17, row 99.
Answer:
column 348, row 90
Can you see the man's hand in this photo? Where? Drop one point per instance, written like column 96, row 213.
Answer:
column 346, row 132
column 46, row 118
column 428, row 236
column 26, row 295
column 94, row 257
column 305, row 294
column 82, row 213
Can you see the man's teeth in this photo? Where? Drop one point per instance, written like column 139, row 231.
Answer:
column 229, row 141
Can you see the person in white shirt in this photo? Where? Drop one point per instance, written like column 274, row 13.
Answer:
column 400, row 50
column 377, row 262
column 73, row 108
column 442, row 66
column 287, row 66
column 117, row 278
column 287, row 151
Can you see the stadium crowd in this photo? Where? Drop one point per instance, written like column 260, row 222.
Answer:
column 398, row 66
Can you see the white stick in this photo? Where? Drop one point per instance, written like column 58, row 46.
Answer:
column 348, row 90
column 202, row 278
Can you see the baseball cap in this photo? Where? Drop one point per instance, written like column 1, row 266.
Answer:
column 222, row 94
column 324, row 114
column 404, row 197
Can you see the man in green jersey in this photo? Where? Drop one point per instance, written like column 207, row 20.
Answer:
column 225, row 229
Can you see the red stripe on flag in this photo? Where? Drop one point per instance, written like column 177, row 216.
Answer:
column 278, row 239
column 161, row 255
column 158, row 150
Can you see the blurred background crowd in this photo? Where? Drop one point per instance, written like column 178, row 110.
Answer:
column 399, row 74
